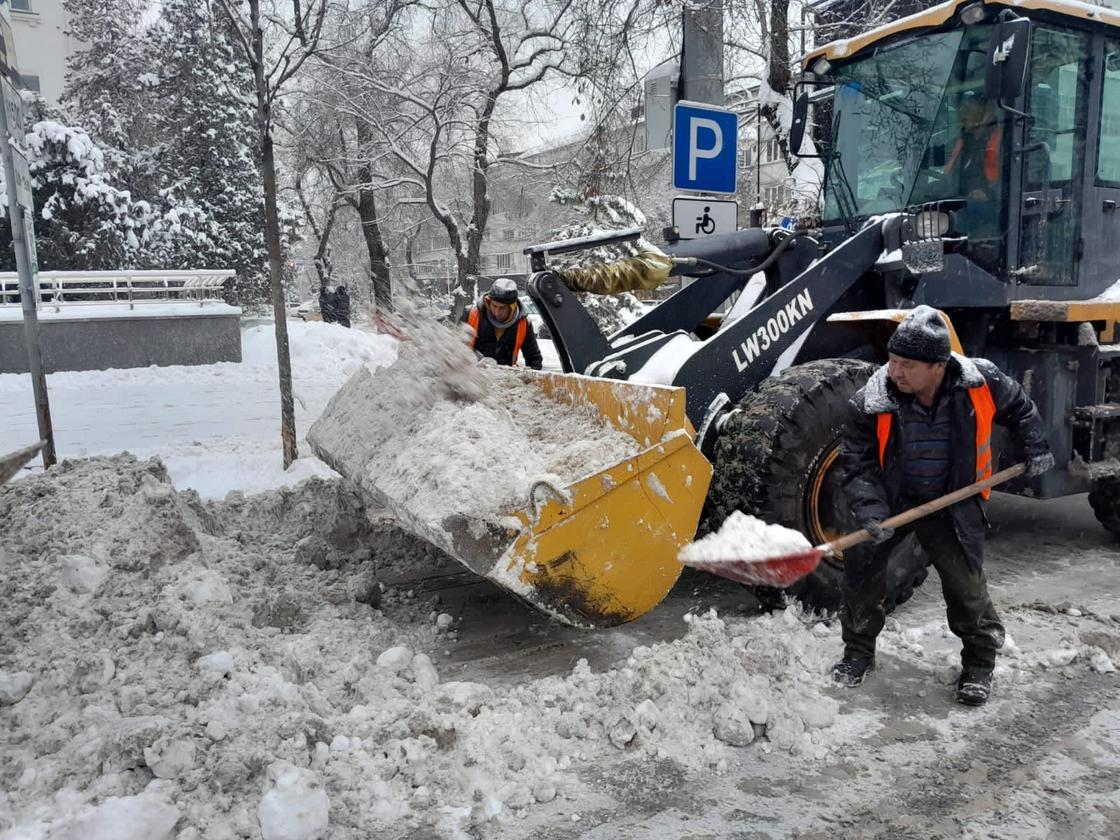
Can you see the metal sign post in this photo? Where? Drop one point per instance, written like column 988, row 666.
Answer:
column 20, row 207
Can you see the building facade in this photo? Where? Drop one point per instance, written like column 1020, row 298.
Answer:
column 42, row 45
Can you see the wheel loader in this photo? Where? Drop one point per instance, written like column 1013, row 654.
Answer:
column 1016, row 254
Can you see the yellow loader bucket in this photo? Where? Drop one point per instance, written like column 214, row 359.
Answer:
column 596, row 553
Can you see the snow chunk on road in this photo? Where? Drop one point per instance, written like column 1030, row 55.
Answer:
column 1102, row 663
column 296, row 808
column 14, row 686
column 217, row 664
column 80, row 573
column 395, row 659
column 171, row 760
column 745, row 538
column 147, row 816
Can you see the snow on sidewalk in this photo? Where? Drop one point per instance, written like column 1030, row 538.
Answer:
column 216, row 427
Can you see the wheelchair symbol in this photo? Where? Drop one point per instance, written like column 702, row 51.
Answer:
column 705, row 223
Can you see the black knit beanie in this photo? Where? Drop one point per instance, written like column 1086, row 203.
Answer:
column 923, row 336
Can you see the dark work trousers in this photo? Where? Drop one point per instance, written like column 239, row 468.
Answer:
column 968, row 606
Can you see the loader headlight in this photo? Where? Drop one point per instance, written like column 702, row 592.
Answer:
column 931, row 224
column 973, row 13
column 821, row 66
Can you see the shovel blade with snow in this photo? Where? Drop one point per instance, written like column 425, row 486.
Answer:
column 785, row 569
column 13, row 462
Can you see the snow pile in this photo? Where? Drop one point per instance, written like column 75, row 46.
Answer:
column 217, row 670
column 744, row 538
column 320, row 349
column 438, row 434
column 172, row 668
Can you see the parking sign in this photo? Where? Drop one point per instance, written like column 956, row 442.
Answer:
column 705, row 147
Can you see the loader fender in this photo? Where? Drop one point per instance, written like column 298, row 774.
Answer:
column 881, row 323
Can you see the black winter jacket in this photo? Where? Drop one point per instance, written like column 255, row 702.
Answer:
column 501, row 350
column 874, row 493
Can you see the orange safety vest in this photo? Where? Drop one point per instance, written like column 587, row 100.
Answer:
column 985, row 408
column 522, row 328
column 991, row 155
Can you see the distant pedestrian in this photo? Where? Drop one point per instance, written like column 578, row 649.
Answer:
column 342, row 306
column 501, row 327
column 921, row 428
column 326, row 305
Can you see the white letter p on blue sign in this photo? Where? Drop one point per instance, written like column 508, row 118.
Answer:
column 705, row 148
column 695, row 151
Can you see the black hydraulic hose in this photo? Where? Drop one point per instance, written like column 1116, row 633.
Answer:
column 744, row 272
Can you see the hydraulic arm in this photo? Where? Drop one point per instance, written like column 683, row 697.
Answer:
column 721, row 369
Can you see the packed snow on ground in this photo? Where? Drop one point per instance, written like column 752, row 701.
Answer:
column 744, row 538
column 216, row 427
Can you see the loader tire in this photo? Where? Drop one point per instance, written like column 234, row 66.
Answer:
column 777, row 458
column 1104, row 498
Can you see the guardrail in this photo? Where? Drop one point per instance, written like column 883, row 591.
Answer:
column 74, row 288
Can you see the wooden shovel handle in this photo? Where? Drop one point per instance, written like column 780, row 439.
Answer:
column 926, row 509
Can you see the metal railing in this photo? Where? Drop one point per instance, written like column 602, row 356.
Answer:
column 71, row 288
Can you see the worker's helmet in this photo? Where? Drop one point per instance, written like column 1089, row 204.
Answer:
column 504, row 290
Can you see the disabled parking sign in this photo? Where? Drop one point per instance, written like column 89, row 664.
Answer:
column 705, row 148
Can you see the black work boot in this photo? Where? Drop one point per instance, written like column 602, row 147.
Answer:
column 850, row 671
column 975, row 685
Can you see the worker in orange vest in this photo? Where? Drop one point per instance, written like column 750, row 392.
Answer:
column 920, row 428
column 501, row 328
column 976, row 163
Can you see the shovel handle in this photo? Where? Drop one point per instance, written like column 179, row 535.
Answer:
column 926, row 509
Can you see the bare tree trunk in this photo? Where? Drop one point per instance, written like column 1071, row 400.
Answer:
column 272, row 240
column 324, row 268
column 371, row 227
column 375, row 246
column 778, row 75
column 410, row 258
column 779, row 72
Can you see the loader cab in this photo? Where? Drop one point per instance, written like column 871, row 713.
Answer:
column 914, row 119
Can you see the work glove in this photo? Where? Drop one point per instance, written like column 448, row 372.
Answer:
column 878, row 533
column 1039, row 464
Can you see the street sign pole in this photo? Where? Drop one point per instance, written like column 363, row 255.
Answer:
column 20, row 207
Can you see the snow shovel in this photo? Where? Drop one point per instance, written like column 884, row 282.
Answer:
column 782, row 570
column 13, row 462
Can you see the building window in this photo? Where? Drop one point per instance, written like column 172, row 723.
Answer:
column 21, row 6
column 775, row 195
column 502, row 261
column 507, row 234
column 771, row 151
